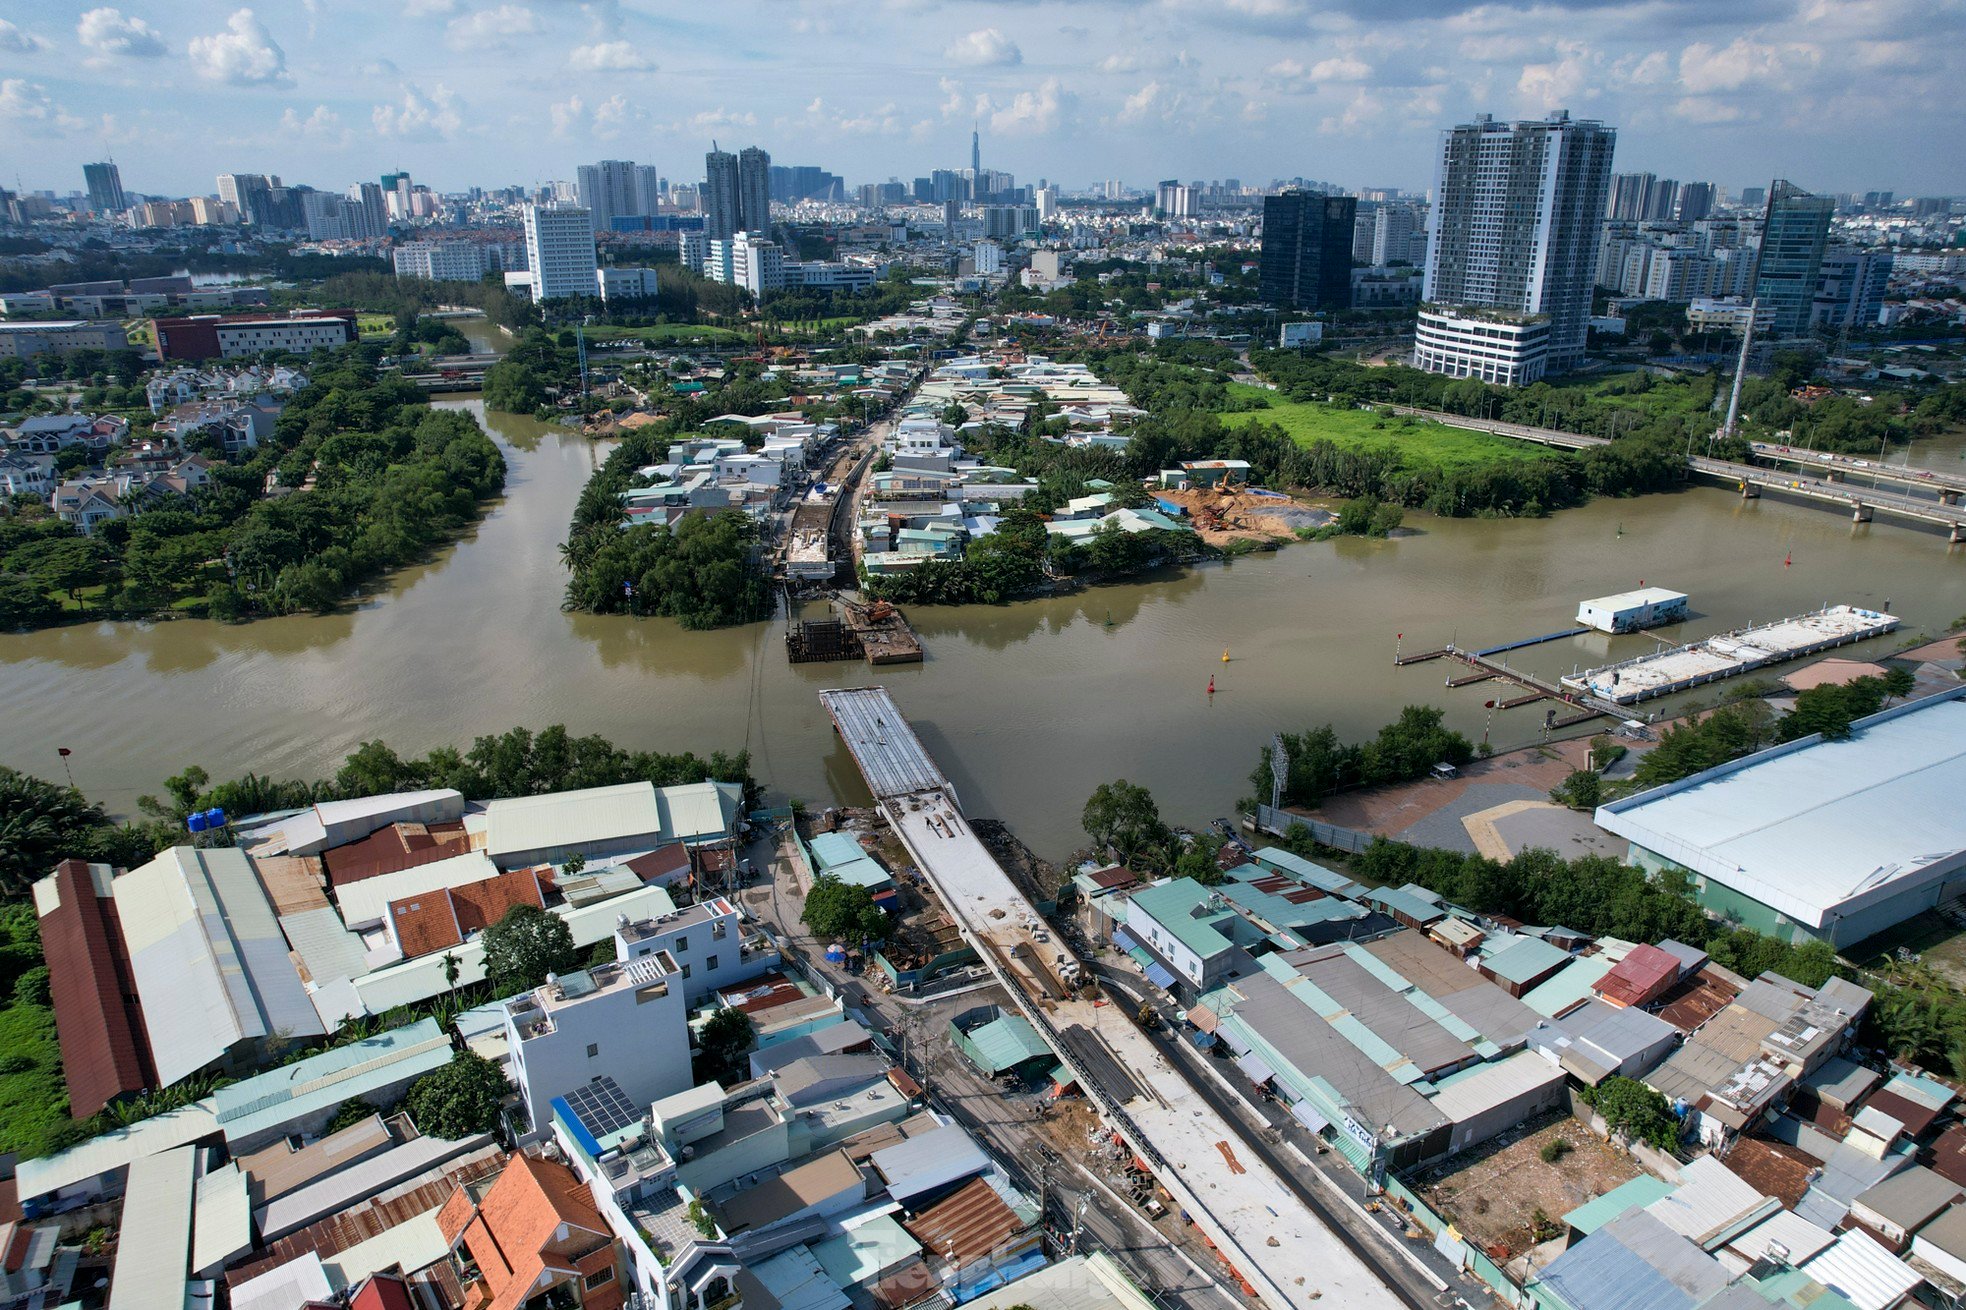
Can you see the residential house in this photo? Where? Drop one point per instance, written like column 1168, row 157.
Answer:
column 626, row 1020
column 532, row 1232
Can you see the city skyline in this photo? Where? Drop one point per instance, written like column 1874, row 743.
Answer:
column 509, row 92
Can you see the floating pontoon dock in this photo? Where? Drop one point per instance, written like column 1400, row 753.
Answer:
column 1630, row 681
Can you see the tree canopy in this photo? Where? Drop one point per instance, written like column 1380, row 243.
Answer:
column 460, row 1099
column 844, row 911
column 1122, row 817
column 526, row 945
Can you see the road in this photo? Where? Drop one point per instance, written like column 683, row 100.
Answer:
column 1006, row 1122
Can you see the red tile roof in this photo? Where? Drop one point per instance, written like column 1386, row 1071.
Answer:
column 1948, row 1154
column 103, row 1051
column 511, row 1232
column 392, row 849
column 1639, row 977
column 438, row 920
column 661, row 864
column 1915, row 1117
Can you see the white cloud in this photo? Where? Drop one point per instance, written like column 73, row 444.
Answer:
column 1032, row 113
column 109, row 32
column 985, row 47
column 429, row 8
column 1141, row 103
column 244, row 54
column 566, row 115
column 419, row 116
column 16, row 42
column 1649, row 70
column 491, row 28
column 613, row 116
column 1698, row 109
column 1341, row 68
column 324, row 124
column 1553, row 85
column 609, row 57
column 28, row 106
column 1704, row 68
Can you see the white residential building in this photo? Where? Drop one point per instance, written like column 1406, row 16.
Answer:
column 707, row 943
column 560, row 251
column 626, row 283
column 440, row 261
column 626, row 1021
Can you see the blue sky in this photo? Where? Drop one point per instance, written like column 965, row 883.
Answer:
column 1836, row 94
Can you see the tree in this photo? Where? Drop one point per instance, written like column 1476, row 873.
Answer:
column 1582, row 790
column 1122, row 818
column 41, row 824
column 722, row 1042
column 525, row 946
column 460, row 1099
column 841, row 910
column 1630, row 1107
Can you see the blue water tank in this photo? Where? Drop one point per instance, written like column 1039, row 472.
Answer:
column 196, row 823
column 215, row 818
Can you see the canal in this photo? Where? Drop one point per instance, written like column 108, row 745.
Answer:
column 1028, row 706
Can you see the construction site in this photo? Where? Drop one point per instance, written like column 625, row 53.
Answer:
column 1223, row 514
column 854, row 629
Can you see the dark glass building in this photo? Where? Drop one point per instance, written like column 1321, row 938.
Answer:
column 1307, row 250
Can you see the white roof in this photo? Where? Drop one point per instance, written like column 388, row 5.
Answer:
column 1626, row 600
column 1710, row 1203
column 335, row 822
column 1861, row 1270
column 1495, row 1084
column 923, row 1163
column 298, row 1281
column 367, row 901
column 341, row 1189
column 1796, row 1235
column 528, row 823
column 117, row 1149
column 1819, row 829
column 223, row 1230
column 1083, row 1282
column 416, row 1243
column 151, row 1257
column 698, row 809
column 208, row 958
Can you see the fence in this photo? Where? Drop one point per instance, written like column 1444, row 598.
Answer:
column 1280, row 822
column 1449, row 1243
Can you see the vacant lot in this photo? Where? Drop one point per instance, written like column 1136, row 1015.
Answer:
column 668, row 334
column 1418, row 443
column 1493, row 1193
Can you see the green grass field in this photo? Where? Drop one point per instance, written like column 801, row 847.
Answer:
column 669, row 334
column 375, row 325
column 1664, row 396
column 1417, row 442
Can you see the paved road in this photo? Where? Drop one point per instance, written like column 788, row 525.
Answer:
column 1004, row 1121
column 1266, row 1143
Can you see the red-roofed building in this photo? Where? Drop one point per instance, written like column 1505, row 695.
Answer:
column 533, row 1231
column 383, row 1292
column 447, row 917
column 1639, row 978
column 395, row 848
column 662, row 866
column 104, row 1053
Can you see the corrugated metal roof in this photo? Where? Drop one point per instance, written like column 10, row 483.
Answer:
column 1524, row 960
column 367, row 901
column 1815, row 826
column 1909, row 1198
column 1634, row 1263
column 336, row 1192
column 1633, row 1194
column 1006, row 1042
column 1787, row 1229
column 116, row 1149
column 1712, row 1204
column 698, row 811
column 222, row 1229
column 1568, row 986
column 293, row 1092
column 414, row 1244
column 890, row 756
column 324, row 944
column 932, row 1160
column 831, row 848
column 518, row 824
column 208, row 957
column 153, row 1256
column 1858, row 1267
column 1468, row 1095
column 285, row 1286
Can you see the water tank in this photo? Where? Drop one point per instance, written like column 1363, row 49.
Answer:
column 215, row 818
column 196, row 822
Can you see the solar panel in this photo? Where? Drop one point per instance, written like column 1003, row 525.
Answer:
column 601, row 1107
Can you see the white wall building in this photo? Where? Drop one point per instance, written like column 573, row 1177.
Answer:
column 706, row 943
column 440, row 261
column 626, row 283
column 560, row 251
column 1503, row 350
column 626, row 1021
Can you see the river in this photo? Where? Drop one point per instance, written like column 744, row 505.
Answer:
column 1027, row 706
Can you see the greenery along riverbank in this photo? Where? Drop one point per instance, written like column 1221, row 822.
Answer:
column 359, row 476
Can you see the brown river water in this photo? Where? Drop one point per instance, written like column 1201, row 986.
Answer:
column 1026, row 706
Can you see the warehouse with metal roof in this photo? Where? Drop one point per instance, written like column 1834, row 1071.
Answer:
column 1836, row 840
column 208, row 959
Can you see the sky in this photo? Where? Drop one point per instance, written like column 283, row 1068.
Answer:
column 1837, row 95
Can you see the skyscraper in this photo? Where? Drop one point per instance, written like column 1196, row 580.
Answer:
column 1794, row 232
column 1307, row 250
column 1694, row 202
column 560, row 251
column 721, row 208
column 753, row 190
column 1512, row 247
column 105, row 188
column 975, row 150
column 607, row 189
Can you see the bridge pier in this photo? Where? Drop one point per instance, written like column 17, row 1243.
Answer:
column 1750, row 492
column 1860, row 514
column 1948, row 496
column 1958, row 534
